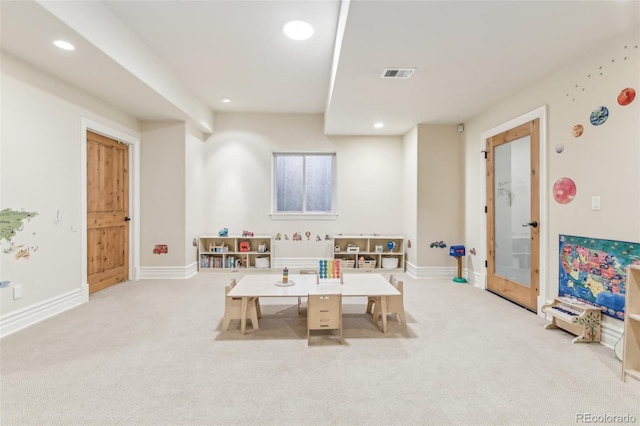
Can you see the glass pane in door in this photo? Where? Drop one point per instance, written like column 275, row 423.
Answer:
column 512, row 201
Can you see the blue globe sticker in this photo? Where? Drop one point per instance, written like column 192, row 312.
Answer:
column 599, row 116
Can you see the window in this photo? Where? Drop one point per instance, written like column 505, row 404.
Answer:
column 304, row 184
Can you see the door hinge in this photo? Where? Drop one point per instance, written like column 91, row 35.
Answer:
column 486, row 264
column 485, row 154
column 485, row 209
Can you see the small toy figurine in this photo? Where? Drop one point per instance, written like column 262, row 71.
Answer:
column 247, row 234
column 297, row 237
column 223, row 232
column 438, row 244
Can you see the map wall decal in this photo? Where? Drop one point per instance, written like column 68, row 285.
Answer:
column 593, row 271
column 11, row 223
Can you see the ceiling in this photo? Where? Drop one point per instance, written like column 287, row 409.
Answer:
column 176, row 60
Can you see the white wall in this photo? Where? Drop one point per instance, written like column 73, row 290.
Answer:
column 603, row 161
column 42, row 146
column 194, row 193
column 238, row 162
column 410, row 193
column 439, row 198
column 163, row 186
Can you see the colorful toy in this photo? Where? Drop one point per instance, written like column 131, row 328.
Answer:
column 245, row 246
column 458, row 252
column 223, row 232
column 438, row 244
column 247, row 234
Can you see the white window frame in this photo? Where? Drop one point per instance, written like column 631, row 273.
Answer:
column 275, row 215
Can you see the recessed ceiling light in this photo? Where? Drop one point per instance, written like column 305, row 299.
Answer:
column 225, row 100
column 378, row 125
column 298, row 30
column 64, row 45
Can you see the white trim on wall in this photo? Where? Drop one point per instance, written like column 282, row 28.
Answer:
column 168, row 272
column 23, row 318
column 133, row 141
column 431, row 272
column 540, row 113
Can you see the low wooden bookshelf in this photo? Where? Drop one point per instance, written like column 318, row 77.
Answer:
column 234, row 252
column 631, row 333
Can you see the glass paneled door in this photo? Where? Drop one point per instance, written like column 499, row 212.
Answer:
column 513, row 227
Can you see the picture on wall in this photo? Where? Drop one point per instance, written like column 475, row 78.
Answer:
column 594, row 271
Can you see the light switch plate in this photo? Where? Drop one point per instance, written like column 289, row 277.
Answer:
column 17, row 291
column 595, row 202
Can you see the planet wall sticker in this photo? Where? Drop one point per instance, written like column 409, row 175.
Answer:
column 626, row 96
column 577, row 130
column 599, row 115
column 564, row 190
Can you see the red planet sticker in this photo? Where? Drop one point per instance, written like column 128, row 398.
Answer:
column 626, row 96
column 564, row 190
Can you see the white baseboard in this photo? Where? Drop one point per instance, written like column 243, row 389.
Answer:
column 23, row 318
column 168, row 272
column 433, row 272
column 474, row 278
column 611, row 333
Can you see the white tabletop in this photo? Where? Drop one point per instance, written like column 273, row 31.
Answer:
column 264, row 285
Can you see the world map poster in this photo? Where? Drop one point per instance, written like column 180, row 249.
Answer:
column 594, row 271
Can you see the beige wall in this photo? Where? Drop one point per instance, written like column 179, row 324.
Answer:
column 163, row 189
column 194, row 192
column 439, row 198
column 238, row 161
column 410, row 193
column 602, row 162
column 42, row 171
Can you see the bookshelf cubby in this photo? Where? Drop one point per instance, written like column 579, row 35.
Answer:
column 226, row 253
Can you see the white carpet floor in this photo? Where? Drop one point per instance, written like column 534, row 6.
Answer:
column 152, row 353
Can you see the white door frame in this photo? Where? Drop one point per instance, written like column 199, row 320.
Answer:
column 541, row 114
column 132, row 140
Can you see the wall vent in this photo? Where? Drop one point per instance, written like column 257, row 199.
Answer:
column 397, row 72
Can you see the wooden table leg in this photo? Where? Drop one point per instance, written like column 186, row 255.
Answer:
column 383, row 308
column 243, row 318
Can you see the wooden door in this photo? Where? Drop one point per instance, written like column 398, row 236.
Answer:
column 107, row 212
column 513, row 218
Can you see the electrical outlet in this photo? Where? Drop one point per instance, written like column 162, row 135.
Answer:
column 595, row 202
column 17, row 291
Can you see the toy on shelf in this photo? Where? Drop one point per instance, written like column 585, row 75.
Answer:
column 247, row 234
column 245, row 246
column 438, row 244
column 223, row 232
column 391, row 245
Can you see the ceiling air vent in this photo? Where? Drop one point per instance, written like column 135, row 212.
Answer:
column 398, row 73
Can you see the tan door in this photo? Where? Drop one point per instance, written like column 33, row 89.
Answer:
column 513, row 222
column 107, row 212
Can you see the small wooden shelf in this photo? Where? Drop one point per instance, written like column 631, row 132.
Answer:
column 631, row 333
column 373, row 248
column 217, row 253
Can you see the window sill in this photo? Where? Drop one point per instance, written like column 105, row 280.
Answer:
column 304, row 216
